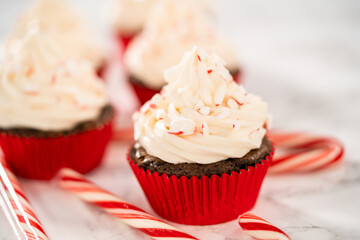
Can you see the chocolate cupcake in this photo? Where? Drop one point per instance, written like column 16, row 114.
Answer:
column 201, row 153
column 173, row 27
column 154, row 164
column 53, row 113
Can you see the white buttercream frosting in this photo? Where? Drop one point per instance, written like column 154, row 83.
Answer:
column 128, row 16
column 38, row 90
column 64, row 26
column 172, row 28
column 201, row 115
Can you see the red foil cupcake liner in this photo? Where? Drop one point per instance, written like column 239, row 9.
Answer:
column 100, row 71
column 205, row 201
column 143, row 93
column 41, row 158
column 124, row 40
column 238, row 77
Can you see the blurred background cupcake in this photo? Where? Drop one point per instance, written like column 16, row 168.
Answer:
column 201, row 152
column 127, row 18
column 65, row 27
column 172, row 28
column 54, row 113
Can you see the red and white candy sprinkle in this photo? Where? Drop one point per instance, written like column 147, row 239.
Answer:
column 19, row 210
column 219, row 95
column 302, row 152
column 129, row 214
column 204, row 110
column 205, row 129
column 259, row 228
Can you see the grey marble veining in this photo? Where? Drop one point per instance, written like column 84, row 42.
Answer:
column 303, row 58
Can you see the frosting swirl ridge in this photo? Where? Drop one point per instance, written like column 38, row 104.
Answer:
column 163, row 42
column 201, row 115
column 64, row 26
column 38, row 90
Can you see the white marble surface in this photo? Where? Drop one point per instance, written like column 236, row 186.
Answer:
column 303, row 57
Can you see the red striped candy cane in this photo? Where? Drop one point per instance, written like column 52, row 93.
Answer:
column 302, row 152
column 19, row 211
column 260, row 228
column 130, row 214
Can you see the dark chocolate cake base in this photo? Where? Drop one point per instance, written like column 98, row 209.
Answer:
column 104, row 117
column 144, row 160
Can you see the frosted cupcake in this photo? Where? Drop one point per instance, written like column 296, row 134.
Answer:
column 127, row 18
column 53, row 114
column 64, row 26
column 173, row 27
column 201, row 152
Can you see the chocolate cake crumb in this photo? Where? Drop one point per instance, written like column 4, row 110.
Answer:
column 144, row 160
column 104, row 117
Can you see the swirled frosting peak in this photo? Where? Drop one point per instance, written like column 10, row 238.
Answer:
column 64, row 26
column 36, row 50
column 201, row 115
column 128, row 16
column 172, row 28
column 38, row 90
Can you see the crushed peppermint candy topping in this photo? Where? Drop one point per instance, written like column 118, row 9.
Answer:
column 152, row 105
column 53, row 79
column 220, row 95
column 239, row 103
column 184, row 125
column 160, row 114
column 31, row 89
column 204, row 110
column 176, row 133
column 199, row 104
column 232, row 104
column 254, row 133
column 236, row 124
column 205, row 129
column 29, row 72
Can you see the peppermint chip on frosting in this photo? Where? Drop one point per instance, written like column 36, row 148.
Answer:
column 163, row 42
column 201, row 115
column 63, row 25
column 39, row 90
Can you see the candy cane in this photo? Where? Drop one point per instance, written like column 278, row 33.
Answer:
column 19, row 211
column 260, row 228
column 130, row 214
column 301, row 152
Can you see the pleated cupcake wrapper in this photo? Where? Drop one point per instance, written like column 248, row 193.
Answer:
column 143, row 93
column 41, row 158
column 205, row 201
